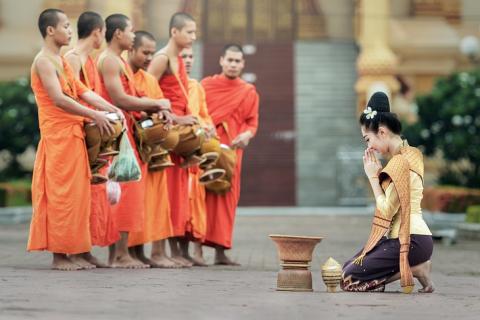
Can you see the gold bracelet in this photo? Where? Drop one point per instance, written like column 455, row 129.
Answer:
column 374, row 177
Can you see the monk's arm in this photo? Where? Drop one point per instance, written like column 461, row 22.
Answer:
column 158, row 66
column 111, row 75
column 48, row 75
column 75, row 64
column 251, row 115
column 250, row 123
column 98, row 102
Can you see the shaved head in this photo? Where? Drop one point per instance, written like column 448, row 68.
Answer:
column 179, row 20
column 233, row 48
column 115, row 22
column 139, row 36
column 87, row 23
column 48, row 18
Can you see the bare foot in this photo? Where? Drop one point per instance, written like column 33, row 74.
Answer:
column 225, row 261
column 199, row 262
column 165, row 262
column 81, row 261
column 63, row 263
column 93, row 260
column 182, row 261
column 127, row 262
column 422, row 273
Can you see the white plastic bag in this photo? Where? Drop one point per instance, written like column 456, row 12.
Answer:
column 114, row 192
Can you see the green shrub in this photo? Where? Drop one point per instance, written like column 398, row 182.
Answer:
column 473, row 214
column 449, row 121
column 18, row 124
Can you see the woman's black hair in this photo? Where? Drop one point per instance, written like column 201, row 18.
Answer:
column 379, row 103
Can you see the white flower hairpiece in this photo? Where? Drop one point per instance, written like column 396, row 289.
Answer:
column 370, row 113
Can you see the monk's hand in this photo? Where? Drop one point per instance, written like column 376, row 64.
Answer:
column 211, row 131
column 187, row 120
column 103, row 122
column 242, row 140
column 371, row 164
column 164, row 104
column 167, row 116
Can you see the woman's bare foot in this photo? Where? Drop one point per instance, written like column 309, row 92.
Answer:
column 165, row 262
column 126, row 262
column 63, row 263
column 422, row 273
column 80, row 260
column 93, row 260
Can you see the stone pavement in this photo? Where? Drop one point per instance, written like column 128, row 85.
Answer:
column 29, row 290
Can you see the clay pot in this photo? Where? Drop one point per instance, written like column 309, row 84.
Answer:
column 331, row 274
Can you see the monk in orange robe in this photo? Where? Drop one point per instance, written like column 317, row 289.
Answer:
column 61, row 174
column 197, row 226
column 91, row 34
column 118, row 86
column 168, row 68
column 157, row 223
column 233, row 105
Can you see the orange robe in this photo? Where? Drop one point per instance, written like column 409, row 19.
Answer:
column 61, row 174
column 157, row 224
column 234, row 102
column 177, row 177
column 130, row 210
column 102, row 223
column 197, row 225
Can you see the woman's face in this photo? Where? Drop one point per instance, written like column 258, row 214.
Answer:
column 377, row 142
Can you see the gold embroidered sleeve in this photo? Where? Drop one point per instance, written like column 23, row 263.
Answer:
column 389, row 203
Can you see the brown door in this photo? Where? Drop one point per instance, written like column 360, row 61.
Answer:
column 268, row 177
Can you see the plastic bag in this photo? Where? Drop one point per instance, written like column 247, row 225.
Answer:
column 125, row 166
column 114, row 192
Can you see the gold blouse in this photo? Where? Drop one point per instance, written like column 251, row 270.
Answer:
column 389, row 205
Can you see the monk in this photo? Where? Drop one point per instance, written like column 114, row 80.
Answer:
column 198, row 217
column 61, row 174
column 157, row 223
column 233, row 105
column 168, row 68
column 117, row 81
column 91, row 34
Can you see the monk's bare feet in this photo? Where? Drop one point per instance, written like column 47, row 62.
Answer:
column 199, row 262
column 422, row 273
column 182, row 261
column 225, row 261
column 93, row 260
column 126, row 262
column 63, row 263
column 165, row 262
column 222, row 259
column 80, row 260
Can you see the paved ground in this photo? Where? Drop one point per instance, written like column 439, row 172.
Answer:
column 28, row 289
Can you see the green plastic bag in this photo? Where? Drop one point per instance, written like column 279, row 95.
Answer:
column 125, row 166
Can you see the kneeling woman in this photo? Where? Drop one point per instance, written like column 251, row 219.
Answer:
column 400, row 244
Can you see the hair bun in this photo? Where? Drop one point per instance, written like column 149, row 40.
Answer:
column 379, row 102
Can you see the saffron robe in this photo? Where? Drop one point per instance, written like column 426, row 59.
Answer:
column 235, row 103
column 197, row 226
column 157, row 223
column 103, row 228
column 61, row 173
column 130, row 210
column 177, row 177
